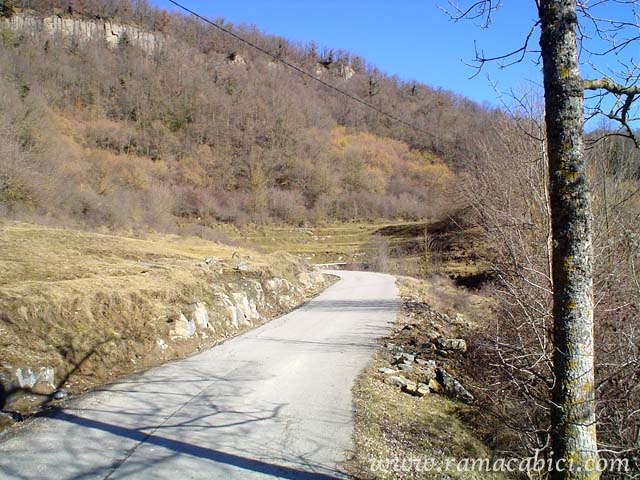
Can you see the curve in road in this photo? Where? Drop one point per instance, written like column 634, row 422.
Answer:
column 272, row 403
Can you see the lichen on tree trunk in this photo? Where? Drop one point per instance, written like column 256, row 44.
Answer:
column 573, row 413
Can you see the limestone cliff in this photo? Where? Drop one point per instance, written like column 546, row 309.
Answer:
column 82, row 30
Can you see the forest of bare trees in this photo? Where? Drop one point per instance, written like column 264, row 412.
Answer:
column 206, row 128
column 516, row 350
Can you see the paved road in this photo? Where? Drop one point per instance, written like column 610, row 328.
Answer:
column 273, row 403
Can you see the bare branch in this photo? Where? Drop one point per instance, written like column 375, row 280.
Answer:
column 480, row 9
column 610, row 86
column 510, row 58
column 627, row 95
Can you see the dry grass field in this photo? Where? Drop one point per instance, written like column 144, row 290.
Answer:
column 103, row 306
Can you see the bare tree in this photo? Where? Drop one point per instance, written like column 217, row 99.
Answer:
column 573, row 413
column 561, row 23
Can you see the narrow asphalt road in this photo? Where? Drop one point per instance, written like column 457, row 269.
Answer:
column 273, row 403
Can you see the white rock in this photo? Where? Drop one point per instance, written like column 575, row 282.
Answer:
column 228, row 307
column 60, row 394
column 32, row 377
column 183, row 327
column 81, row 30
column 200, row 315
column 246, row 307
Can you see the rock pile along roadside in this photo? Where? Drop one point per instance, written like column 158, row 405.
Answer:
column 420, row 353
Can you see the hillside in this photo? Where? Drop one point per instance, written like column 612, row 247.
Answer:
column 168, row 123
column 122, row 120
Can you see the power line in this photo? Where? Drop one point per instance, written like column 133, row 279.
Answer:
column 303, row 72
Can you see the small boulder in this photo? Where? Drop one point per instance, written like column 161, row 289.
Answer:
column 404, row 358
column 452, row 387
column 423, row 362
column 428, row 368
column 37, row 379
column 183, row 328
column 387, row 371
column 406, row 367
column 452, row 344
column 434, row 386
column 279, row 286
column 18, row 382
column 199, row 315
column 392, row 347
column 428, row 372
column 60, row 394
column 423, row 389
column 396, row 381
column 412, row 389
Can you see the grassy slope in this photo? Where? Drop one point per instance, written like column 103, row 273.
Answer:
column 65, row 294
column 332, row 242
column 391, row 424
column 410, row 248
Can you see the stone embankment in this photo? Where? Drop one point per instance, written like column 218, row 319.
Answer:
column 236, row 301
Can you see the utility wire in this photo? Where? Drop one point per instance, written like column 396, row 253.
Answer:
column 303, row 72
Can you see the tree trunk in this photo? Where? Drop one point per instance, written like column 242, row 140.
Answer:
column 573, row 415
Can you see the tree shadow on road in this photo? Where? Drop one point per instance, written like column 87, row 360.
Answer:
column 185, row 448
column 354, row 305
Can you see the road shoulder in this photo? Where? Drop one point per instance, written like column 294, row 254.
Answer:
column 400, row 432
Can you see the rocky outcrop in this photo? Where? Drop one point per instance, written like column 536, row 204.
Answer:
column 81, row 30
column 244, row 303
column 39, row 379
column 200, row 315
column 346, row 72
column 236, row 59
column 340, row 70
column 183, row 328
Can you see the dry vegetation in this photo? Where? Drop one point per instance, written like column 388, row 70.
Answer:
column 104, row 306
column 500, row 248
column 452, row 247
column 126, row 138
column 392, row 424
column 185, row 137
column 129, row 141
column 514, row 352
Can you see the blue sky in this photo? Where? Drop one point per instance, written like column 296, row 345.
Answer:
column 416, row 40
column 413, row 39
